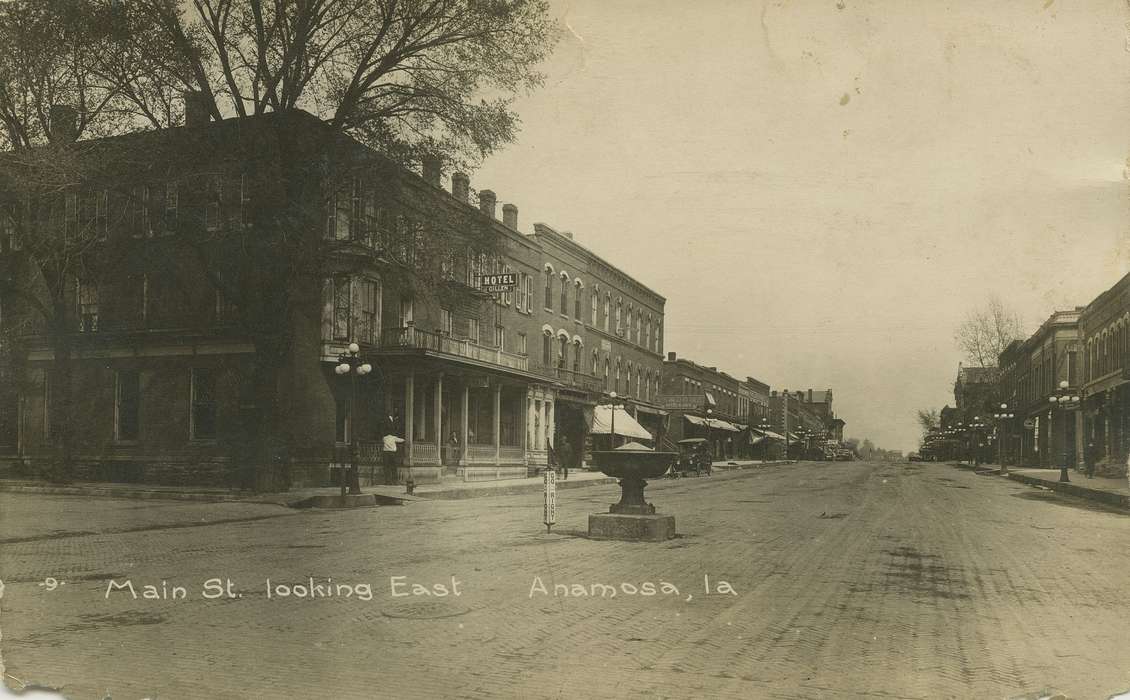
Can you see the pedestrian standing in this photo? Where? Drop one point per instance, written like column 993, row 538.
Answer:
column 565, row 455
column 390, row 450
column 1089, row 459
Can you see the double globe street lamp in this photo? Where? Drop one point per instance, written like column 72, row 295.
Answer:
column 349, row 362
column 1068, row 400
column 1003, row 415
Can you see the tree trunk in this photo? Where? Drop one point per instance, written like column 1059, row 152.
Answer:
column 60, row 406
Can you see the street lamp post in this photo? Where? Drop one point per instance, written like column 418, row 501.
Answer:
column 709, row 434
column 349, row 362
column 1067, row 400
column 977, row 426
column 612, row 437
column 1001, row 417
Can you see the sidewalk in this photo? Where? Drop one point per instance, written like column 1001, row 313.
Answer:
column 448, row 489
column 1115, row 492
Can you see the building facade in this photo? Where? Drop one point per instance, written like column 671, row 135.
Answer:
column 488, row 346
column 703, row 403
column 1104, row 329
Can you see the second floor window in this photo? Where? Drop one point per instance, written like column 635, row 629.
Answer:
column 564, row 294
column 369, row 318
column 172, row 201
column 522, row 347
column 547, row 351
column 406, row 312
column 549, row 289
column 592, row 312
column 473, row 330
column 87, row 306
column 341, row 294
column 500, row 337
column 445, row 323
column 577, row 302
column 212, row 210
column 139, row 211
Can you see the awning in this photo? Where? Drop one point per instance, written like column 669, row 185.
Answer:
column 626, row 426
column 755, row 439
column 696, row 420
column 775, row 436
column 723, row 425
column 640, row 408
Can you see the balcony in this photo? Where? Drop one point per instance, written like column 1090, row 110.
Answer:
column 577, row 380
column 413, row 338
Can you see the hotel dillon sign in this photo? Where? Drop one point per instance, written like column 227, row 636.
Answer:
column 501, row 282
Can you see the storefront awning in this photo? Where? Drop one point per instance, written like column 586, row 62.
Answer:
column 640, row 408
column 775, row 436
column 697, row 421
column 626, row 425
column 723, row 425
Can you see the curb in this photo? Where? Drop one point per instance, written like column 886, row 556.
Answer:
column 113, row 492
column 1113, row 499
column 329, row 501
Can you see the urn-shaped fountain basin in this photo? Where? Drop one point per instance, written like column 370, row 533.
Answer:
column 639, row 463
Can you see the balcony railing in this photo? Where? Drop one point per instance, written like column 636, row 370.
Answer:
column 577, row 380
column 411, row 337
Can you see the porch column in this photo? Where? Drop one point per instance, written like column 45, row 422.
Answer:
column 550, row 424
column 497, row 423
column 409, row 414
column 526, row 423
column 439, row 416
column 463, row 438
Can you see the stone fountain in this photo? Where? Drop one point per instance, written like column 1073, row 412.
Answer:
column 633, row 518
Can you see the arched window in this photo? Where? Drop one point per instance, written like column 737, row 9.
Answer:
column 636, row 333
column 628, row 380
column 647, row 333
column 595, row 302
column 564, row 294
column 639, row 383
column 547, row 350
column 607, row 304
column 659, row 337
column 617, row 375
column 606, row 374
column 577, row 301
column 563, row 358
column 548, row 288
column 628, row 329
column 595, row 363
column 619, row 315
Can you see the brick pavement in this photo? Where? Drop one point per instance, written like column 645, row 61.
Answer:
column 852, row 580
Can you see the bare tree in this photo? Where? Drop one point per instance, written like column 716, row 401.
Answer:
column 928, row 419
column 986, row 332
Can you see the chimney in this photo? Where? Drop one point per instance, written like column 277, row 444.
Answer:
column 460, row 186
column 487, row 200
column 510, row 215
column 196, row 110
column 64, row 123
column 671, row 356
column 430, row 168
column 810, row 396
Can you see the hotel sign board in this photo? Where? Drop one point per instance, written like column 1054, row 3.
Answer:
column 502, row 282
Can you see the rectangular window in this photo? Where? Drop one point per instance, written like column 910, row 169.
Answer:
column 406, row 312
column 331, row 216
column 87, row 295
column 547, row 351
column 522, row 347
column 445, row 322
column 70, row 215
column 500, row 337
column 473, row 330
column 342, row 289
column 370, row 318
column 529, row 293
column 172, row 198
column 212, row 198
column 139, row 211
column 244, row 202
column 127, row 405
column 203, row 397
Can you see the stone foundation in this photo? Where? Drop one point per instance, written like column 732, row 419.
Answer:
column 633, row 528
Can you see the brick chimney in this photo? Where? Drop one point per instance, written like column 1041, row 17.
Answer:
column 196, row 110
column 460, row 186
column 487, row 201
column 510, row 215
column 430, row 167
column 64, row 123
column 671, row 357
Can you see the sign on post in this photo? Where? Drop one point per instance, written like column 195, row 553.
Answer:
column 502, row 282
column 550, row 498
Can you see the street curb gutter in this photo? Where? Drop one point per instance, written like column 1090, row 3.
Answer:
column 1114, row 499
column 112, row 492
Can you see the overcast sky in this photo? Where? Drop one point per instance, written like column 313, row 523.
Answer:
column 822, row 190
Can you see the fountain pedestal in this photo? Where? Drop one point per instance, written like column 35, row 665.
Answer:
column 633, row 518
